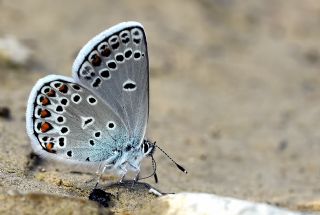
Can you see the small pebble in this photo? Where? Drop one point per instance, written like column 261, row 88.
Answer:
column 5, row 113
column 100, row 196
column 13, row 192
column 13, row 51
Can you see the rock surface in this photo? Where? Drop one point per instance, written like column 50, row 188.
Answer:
column 208, row 204
column 36, row 203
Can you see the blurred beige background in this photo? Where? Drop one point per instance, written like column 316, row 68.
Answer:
column 235, row 88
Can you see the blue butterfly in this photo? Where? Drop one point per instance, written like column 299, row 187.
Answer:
column 99, row 116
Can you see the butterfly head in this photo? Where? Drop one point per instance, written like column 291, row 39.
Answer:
column 148, row 148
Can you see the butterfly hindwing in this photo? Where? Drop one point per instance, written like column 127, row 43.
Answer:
column 67, row 121
column 114, row 65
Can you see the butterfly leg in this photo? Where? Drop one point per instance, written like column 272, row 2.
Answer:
column 97, row 175
column 136, row 169
column 122, row 178
column 100, row 173
column 124, row 171
column 136, row 178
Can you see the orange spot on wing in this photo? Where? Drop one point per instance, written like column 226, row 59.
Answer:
column 50, row 146
column 45, row 101
column 45, row 113
column 51, row 93
column 106, row 52
column 96, row 60
column 45, row 127
column 63, row 88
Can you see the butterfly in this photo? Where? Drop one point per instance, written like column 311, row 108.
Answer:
column 99, row 116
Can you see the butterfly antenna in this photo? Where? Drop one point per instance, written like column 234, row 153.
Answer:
column 154, row 166
column 179, row 166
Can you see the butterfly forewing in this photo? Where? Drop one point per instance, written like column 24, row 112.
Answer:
column 66, row 120
column 114, row 65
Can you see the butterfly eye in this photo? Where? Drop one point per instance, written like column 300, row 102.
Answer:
column 145, row 148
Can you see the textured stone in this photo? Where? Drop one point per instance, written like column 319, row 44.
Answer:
column 209, row 204
column 36, row 203
column 13, row 51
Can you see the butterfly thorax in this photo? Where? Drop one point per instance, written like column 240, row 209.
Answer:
column 127, row 157
column 130, row 157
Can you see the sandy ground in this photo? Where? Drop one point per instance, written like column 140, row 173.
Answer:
column 235, row 90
